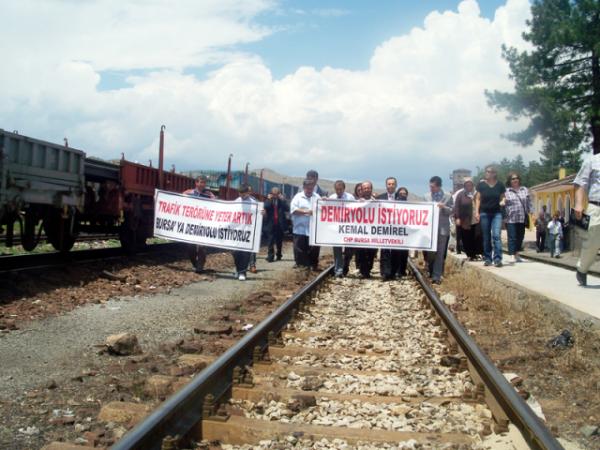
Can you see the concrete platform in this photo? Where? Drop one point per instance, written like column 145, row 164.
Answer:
column 555, row 283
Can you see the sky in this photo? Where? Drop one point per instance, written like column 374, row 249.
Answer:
column 354, row 89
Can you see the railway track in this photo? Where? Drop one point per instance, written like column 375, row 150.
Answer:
column 80, row 238
column 346, row 364
column 41, row 260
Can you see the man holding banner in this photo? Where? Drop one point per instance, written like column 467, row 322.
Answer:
column 197, row 252
column 369, row 224
column 301, row 209
column 389, row 260
column 196, row 219
column 366, row 256
column 243, row 259
column 342, row 256
column 393, row 262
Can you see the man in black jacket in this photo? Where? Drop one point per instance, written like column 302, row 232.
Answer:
column 275, row 223
column 392, row 262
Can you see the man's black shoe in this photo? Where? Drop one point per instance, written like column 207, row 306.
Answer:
column 279, row 257
column 581, row 278
column 269, row 259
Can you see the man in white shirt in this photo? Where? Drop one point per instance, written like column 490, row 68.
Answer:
column 301, row 209
column 341, row 256
column 314, row 176
column 556, row 235
column 243, row 260
column 588, row 186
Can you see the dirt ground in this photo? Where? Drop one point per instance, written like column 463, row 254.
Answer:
column 510, row 326
column 62, row 402
column 36, row 294
column 515, row 329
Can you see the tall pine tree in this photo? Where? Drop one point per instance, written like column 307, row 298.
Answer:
column 557, row 83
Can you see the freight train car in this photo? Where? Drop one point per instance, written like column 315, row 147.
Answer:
column 71, row 194
column 39, row 182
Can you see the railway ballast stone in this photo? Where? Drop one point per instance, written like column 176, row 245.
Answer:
column 589, row 430
column 448, row 299
column 123, row 412
column 191, row 346
column 304, row 401
column 66, row 446
column 159, row 386
column 215, row 328
column 123, row 344
column 260, row 298
column 194, row 362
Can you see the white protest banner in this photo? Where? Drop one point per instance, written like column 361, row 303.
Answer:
column 374, row 224
column 233, row 225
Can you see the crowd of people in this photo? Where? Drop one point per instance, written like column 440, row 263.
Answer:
column 478, row 212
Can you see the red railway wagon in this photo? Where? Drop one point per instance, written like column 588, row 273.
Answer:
column 120, row 197
column 138, row 183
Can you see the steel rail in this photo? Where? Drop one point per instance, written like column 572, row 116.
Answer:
column 180, row 413
column 533, row 430
column 39, row 260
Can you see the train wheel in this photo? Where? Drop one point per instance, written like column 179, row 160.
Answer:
column 29, row 240
column 59, row 231
column 132, row 240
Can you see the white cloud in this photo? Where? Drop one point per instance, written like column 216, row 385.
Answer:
column 417, row 110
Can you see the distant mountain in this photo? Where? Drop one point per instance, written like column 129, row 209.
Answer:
column 271, row 175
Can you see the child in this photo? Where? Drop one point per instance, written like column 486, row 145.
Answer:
column 556, row 234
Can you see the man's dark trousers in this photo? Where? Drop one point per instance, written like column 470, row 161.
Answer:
column 392, row 263
column 306, row 256
column 540, row 240
column 274, row 239
column 365, row 258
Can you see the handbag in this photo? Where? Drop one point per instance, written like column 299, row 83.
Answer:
column 584, row 223
column 527, row 224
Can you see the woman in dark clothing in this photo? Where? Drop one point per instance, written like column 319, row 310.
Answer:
column 463, row 218
column 488, row 203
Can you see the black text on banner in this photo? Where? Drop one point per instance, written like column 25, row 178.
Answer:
column 375, row 224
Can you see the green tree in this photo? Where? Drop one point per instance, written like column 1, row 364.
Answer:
column 531, row 174
column 557, row 83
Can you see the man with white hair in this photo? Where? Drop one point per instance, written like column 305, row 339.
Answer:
column 366, row 256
